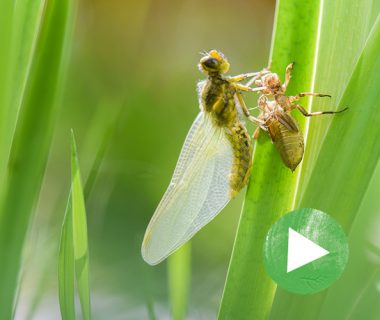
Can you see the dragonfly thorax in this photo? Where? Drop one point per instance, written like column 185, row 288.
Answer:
column 218, row 99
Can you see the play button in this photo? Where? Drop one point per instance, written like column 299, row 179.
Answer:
column 302, row 251
column 305, row 251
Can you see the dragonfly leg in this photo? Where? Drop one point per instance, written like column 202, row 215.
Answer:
column 243, row 76
column 246, row 112
column 243, row 87
column 258, row 76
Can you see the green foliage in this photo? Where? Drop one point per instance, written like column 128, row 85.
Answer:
column 179, row 275
column 42, row 41
column 340, row 175
column 66, row 266
column 343, row 32
column 79, row 224
column 6, row 12
column 329, row 64
column 334, row 53
column 73, row 253
column 26, row 24
column 362, row 274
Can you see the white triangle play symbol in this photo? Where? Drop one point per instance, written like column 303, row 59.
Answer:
column 302, row 251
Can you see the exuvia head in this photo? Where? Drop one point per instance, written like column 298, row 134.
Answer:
column 213, row 62
column 271, row 82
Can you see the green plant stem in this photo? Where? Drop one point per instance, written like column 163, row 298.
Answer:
column 249, row 292
column 179, row 275
column 79, row 232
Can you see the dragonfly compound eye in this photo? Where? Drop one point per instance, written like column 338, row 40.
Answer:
column 211, row 63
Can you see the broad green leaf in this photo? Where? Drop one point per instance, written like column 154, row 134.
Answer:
column 179, row 274
column 249, row 291
column 17, row 51
column 345, row 164
column 25, row 30
column 66, row 266
column 342, row 34
column 80, row 242
column 6, row 21
column 358, row 287
column 31, row 142
column 27, row 20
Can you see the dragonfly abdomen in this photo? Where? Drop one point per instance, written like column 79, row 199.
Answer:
column 242, row 149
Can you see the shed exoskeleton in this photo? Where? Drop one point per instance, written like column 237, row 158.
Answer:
column 275, row 107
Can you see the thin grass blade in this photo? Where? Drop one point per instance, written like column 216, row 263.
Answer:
column 66, row 267
column 80, row 242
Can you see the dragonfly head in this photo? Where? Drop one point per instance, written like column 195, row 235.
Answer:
column 213, row 62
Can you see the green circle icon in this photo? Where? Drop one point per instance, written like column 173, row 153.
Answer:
column 305, row 251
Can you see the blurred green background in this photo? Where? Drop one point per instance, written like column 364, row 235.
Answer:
column 131, row 92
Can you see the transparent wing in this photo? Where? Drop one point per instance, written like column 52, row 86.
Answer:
column 197, row 192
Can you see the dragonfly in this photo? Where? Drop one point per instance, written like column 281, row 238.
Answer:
column 214, row 163
column 275, row 107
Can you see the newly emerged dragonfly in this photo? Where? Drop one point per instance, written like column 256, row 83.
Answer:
column 214, row 164
column 281, row 126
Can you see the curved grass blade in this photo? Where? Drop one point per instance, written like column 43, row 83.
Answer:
column 249, row 291
column 103, row 130
column 30, row 144
column 66, row 266
column 73, row 252
column 80, row 242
